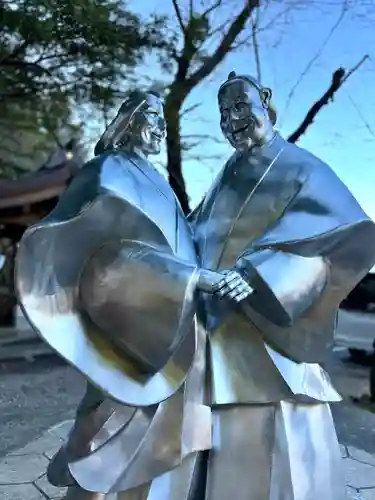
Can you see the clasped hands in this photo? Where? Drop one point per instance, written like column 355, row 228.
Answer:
column 227, row 284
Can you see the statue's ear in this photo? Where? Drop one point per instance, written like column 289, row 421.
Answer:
column 266, row 95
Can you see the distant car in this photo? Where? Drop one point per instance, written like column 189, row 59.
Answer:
column 356, row 319
column 355, row 330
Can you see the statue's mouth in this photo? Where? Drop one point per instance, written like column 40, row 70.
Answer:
column 159, row 137
column 239, row 130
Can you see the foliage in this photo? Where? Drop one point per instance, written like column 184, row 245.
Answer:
column 55, row 54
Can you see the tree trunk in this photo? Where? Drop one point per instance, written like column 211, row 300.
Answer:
column 174, row 154
column 372, row 378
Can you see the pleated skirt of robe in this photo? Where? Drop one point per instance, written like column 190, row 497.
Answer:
column 286, row 451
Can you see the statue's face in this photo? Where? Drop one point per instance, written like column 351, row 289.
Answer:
column 148, row 126
column 243, row 118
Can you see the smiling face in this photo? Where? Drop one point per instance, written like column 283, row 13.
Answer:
column 147, row 128
column 244, row 120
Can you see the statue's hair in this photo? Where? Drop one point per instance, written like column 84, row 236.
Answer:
column 134, row 101
column 265, row 93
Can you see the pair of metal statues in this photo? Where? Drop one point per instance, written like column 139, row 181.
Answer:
column 200, row 339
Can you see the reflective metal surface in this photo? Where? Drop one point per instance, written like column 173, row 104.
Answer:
column 49, row 295
column 282, row 219
column 139, row 125
column 173, row 430
column 275, row 452
column 122, row 268
column 215, row 328
column 108, row 279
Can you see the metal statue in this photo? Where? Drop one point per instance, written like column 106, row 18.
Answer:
column 292, row 242
column 108, row 279
column 200, row 342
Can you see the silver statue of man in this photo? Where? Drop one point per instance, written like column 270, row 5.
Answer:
column 108, row 279
column 292, row 242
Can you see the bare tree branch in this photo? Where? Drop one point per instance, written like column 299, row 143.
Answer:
column 203, row 137
column 254, row 27
column 26, row 65
column 355, row 68
column 212, row 7
column 191, row 8
column 20, row 48
column 339, row 77
column 186, row 79
column 203, row 158
column 361, row 116
column 224, row 46
column 190, row 109
column 316, row 56
column 179, row 16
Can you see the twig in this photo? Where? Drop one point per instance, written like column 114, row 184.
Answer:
column 315, row 57
column 190, row 109
column 26, row 65
column 179, row 16
column 254, row 27
column 202, row 137
column 212, row 8
column 191, row 8
column 339, row 77
column 224, row 46
column 355, row 68
column 361, row 116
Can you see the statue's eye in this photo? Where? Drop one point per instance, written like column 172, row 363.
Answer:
column 151, row 112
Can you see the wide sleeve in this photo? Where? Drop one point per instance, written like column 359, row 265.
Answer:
column 318, row 251
column 285, row 284
column 141, row 297
column 60, row 269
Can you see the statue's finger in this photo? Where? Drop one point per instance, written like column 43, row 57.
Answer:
column 235, row 283
column 225, row 281
column 239, row 289
column 242, row 296
column 223, row 292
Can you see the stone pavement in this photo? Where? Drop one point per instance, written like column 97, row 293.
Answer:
column 22, row 472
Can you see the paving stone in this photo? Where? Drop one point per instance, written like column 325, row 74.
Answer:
column 359, row 475
column 50, row 453
column 361, row 456
column 20, row 492
column 353, row 494
column 22, row 469
column 368, row 494
column 28, row 465
column 49, row 490
column 62, row 430
column 48, row 444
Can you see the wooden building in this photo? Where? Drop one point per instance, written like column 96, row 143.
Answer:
column 23, row 202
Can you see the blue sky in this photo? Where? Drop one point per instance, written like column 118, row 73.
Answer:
column 344, row 133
